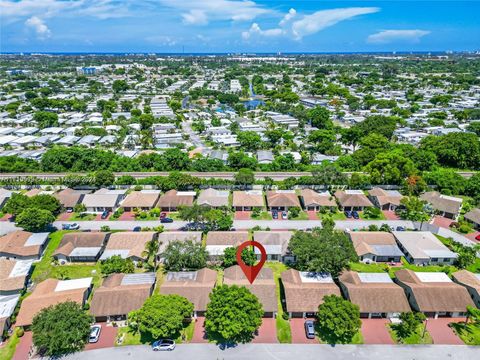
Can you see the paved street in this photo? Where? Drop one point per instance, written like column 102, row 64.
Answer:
column 286, row 352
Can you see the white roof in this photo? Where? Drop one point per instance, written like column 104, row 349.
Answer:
column 374, row 278
column 313, row 277
column 66, row 285
column 438, row 277
column 136, row 279
column 353, row 192
column 37, row 239
column 21, row 268
column 186, row 193
column 8, row 304
column 85, row 251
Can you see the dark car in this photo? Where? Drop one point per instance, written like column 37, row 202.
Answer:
column 166, row 220
column 137, row 228
column 309, row 329
column 401, row 228
column 105, row 214
column 275, row 214
column 348, row 214
column 355, row 215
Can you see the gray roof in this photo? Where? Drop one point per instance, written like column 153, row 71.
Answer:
column 138, row 279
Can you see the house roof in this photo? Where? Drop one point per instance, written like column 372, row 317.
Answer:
column 100, row 200
column 229, row 238
column 22, row 243
column 441, row 202
column 13, row 274
column 213, row 197
column 166, row 237
column 385, row 196
column 247, row 199
column 436, row 295
column 374, row 292
column 313, row 198
column 467, row 278
column 174, row 198
column 141, row 199
column 305, row 291
column 274, row 242
column 196, row 286
column 282, row 198
column 351, row 198
column 122, row 293
column 422, row 245
column 77, row 240
column 263, row 287
column 378, row 243
column 51, row 292
column 69, row 197
column 473, row 216
column 127, row 244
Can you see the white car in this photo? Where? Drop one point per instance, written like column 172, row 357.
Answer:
column 163, row 345
column 95, row 331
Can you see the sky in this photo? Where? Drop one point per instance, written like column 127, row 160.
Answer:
column 238, row 26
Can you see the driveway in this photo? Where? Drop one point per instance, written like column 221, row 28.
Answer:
column 22, row 350
column 127, row 216
column 107, row 338
column 297, row 328
column 267, row 332
column 442, row 221
column 375, row 331
column 64, row 216
column 199, row 334
column 242, row 215
column 312, row 215
column 390, row 215
column 473, row 235
column 441, row 333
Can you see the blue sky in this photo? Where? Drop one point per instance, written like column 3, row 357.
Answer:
column 238, row 25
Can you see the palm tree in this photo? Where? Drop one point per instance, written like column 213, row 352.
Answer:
column 151, row 250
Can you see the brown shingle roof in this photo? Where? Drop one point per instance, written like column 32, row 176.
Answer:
column 348, row 200
column 196, row 289
column 313, row 198
column 473, row 216
column 363, row 241
column 213, row 197
column 263, row 287
column 172, row 199
column 167, row 237
column 133, row 241
column 305, row 296
column 232, row 238
column 467, row 278
column 372, row 297
column 247, row 199
column 14, row 243
column 69, row 198
column 442, row 202
column 435, row 296
column 281, row 238
column 277, row 198
column 140, row 199
column 383, row 197
column 7, row 282
column 71, row 241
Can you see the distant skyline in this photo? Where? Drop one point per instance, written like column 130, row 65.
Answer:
column 219, row 26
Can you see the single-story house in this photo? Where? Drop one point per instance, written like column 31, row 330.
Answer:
column 447, row 206
column 8, row 303
column 282, row 200
column 23, row 245
column 172, row 199
column 81, row 247
column 142, row 200
column 275, row 244
column 52, row 292
column 14, row 275
column 128, row 245
column 375, row 293
column 434, row 293
column 167, row 237
column 473, row 217
column 375, row 246
column 352, row 200
column 471, row 281
column 385, row 199
column 121, row 293
column 423, row 248
column 218, row 241
column 263, row 287
column 69, row 198
column 304, row 291
column 213, row 198
column 101, row 201
column 315, row 201
column 196, row 286
column 247, row 200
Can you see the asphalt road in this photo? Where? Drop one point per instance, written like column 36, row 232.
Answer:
column 287, row 352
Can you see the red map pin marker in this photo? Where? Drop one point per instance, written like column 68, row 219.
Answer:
column 251, row 272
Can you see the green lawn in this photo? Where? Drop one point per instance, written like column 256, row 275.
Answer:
column 264, row 215
column 357, row 338
column 413, row 339
column 82, row 217
column 148, row 217
column 369, row 268
column 137, row 338
column 363, row 217
column 284, row 334
column 335, row 216
column 8, row 350
column 470, row 334
column 302, row 215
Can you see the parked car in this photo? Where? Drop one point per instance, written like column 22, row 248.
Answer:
column 163, row 215
column 348, row 214
column 355, row 215
column 73, row 226
column 477, row 237
column 284, row 215
column 275, row 214
column 105, row 214
column 163, row 345
column 95, row 331
column 401, row 228
column 137, row 228
column 69, row 210
column 309, row 329
column 166, row 220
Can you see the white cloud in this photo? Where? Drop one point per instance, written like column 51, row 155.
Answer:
column 288, row 16
column 388, row 36
column 313, row 23
column 200, row 12
column 39, row 26
column 163, row 40
column 256, row 30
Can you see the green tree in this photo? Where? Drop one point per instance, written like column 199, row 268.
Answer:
column 116, row 264
column 104, row 178
column 16, row 204
column 338, row 319
column 34, row 219
column 249, row 140
column 233, row 314
column 45, row 119
column 320, row 117
column 176, row 159
column 162, row 316
column 61, row 329
column 390, row 168
column 184, row 255
column 119, row 86
column 448, row 181
column 414, row 209
column 409, row 324
column 151, row 251
column 46, row 202
column 229, row 257
column 244, row 177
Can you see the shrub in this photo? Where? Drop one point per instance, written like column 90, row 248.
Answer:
column 105, row 228
column 19, row 331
